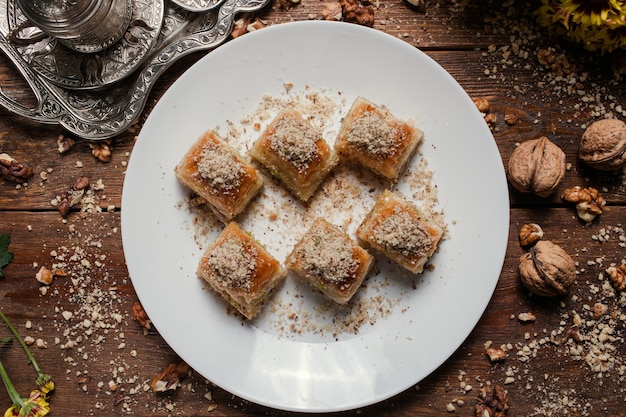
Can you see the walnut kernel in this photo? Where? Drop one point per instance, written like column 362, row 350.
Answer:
column 557, row 63
column 12, row 170
column 141, row 316
column 64, row 143
column 529, row 234
column 332, row 11
column 492, row 402
column 618, row 276
column 526, row 317
column 44, row 276
column 482, row 104
column 169, row 378
column 589, row 201
column 102, row 150
column 360, row 12
column 495, row 354
column 511, row 118
column 240, row 26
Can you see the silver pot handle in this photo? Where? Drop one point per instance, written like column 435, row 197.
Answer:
column 47, row 109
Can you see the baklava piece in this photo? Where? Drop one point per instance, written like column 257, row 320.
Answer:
column 295, row 153
column 377, row 140
column 399, row 230
column 238, row 268
column 330, row 261
column 216, row 172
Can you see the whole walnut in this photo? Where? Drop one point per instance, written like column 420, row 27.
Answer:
column 603, row 145
column 537, row 166
column 547, row 270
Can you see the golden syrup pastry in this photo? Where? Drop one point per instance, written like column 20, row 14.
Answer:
column 329, row 260
column 238, row 268
column 295, row 153
column 372, row 137
column 216, row 172
column 398, row 229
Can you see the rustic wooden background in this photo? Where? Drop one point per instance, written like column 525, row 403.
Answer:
column 491, row 49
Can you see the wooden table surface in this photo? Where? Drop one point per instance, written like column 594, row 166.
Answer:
column 102, row 360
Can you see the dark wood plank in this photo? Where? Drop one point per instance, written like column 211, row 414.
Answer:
column 490, row 48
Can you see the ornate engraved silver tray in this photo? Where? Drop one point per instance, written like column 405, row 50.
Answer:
column 102, row 103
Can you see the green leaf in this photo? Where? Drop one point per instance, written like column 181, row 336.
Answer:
column 5, row 256
column 5, row 340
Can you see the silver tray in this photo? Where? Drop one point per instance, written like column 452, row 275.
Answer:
column 104, row 112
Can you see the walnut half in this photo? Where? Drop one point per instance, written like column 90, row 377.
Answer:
column 537, row 166
column 547, row 270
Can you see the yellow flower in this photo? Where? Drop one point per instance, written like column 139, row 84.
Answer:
column 551, row 14
column 34, row 406
column 593, row 12
column 598, row 25
column 47, row 387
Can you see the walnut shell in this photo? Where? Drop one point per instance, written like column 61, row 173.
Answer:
column 537, row 166
column 603, row 145
column 547, row 270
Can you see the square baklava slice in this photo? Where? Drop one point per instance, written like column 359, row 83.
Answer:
column 329, row 260
column 238, row 268
column 372, row 137
column 217, row 172
column 398, row 229
column 294, row 152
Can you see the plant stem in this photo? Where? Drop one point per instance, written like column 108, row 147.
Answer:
column 13, row 394
column 24, row 346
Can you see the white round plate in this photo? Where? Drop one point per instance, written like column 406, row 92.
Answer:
column 426, row 317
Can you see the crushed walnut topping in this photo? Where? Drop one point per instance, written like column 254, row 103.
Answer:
column 295, row 140
column 328, row 256
column 233, row 264
column 371, row 133
column 402, row 233
column 220, row 168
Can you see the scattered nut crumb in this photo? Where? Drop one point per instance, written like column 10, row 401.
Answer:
column 495, row 354
column 526, row 317
column 64, row 143
column 44, row 276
